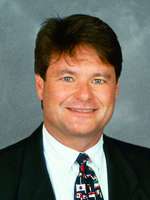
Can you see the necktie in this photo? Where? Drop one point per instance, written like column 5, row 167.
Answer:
column 86, row 185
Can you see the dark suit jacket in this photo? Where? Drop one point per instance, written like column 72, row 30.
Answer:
column 23, row 173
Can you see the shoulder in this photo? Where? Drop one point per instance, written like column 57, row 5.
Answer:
column 18, row 146
column 126, row 147
column 11, row 164
column 137, row 156
column 129, row 161
column 12, row 155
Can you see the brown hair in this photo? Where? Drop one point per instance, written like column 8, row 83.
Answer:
column 63, row 35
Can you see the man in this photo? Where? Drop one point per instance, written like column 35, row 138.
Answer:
column 78, row 63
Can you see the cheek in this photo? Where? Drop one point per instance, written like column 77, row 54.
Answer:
column 107, row 95
column 56, row 95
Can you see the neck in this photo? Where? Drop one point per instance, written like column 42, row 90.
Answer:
column 79, row 143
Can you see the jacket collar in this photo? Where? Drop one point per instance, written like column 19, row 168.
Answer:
column 122, row 180
column 34, row 182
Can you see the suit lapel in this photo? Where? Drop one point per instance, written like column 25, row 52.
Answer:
column 122, row 180
column 34, row 180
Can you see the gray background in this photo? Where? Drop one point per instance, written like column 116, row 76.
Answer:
column 20, row 20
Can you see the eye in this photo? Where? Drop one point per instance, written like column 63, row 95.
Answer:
column 98, row 81
column 68, row 79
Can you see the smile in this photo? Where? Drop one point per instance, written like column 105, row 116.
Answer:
column 82, row 110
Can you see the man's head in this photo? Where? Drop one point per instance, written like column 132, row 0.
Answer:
column 77, row 64
column 63, row 35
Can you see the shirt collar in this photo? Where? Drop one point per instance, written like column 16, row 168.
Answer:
column 66, row 155
column 57, row 151
column 96, row 152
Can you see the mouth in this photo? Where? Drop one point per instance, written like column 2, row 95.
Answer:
column 82, row 110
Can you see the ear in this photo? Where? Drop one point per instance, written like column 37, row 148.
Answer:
column 117, row 89
column 39, row 85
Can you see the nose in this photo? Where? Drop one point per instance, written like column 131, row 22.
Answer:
column 84, row 92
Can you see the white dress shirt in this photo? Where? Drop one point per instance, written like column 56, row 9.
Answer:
column 63, row 170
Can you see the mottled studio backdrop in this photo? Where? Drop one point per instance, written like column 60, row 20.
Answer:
column 20, row 111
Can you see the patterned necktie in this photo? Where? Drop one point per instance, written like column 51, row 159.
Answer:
column 86, row 185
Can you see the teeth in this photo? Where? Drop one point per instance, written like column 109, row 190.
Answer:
column 82, row 110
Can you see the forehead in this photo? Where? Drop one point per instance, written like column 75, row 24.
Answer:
column 84, row 62
column 81, row 55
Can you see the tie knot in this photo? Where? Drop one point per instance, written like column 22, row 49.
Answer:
column 82, row 158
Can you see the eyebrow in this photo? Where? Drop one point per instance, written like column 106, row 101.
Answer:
column 104, row 74
column 97, row 74
column 65, row 71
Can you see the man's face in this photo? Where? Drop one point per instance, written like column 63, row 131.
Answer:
column 78, row 95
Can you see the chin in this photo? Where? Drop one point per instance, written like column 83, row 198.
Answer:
column 84, row 131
